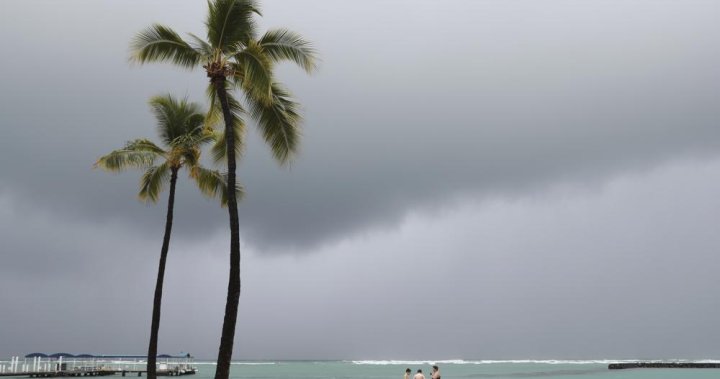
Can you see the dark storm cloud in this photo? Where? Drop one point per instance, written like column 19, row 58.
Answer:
column 494, row 98
column 434, row 132
column 625, row 271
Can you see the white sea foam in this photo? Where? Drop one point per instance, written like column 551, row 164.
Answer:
column 208, row 363
column 398, row 362
column 519, row 361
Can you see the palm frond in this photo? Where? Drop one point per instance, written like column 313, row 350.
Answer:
column 195, row 140
column 253, row 72
column 285, row 45
column 218, row 151
column 142, row 144
column 186, row 148
column 136, row 154
column 213, row 184
column 230, row 23
column 152, row 182
column 176, row 118
column 279, row 122
column 191, row 157
column 219, row 148
column 201, row 46
column 120, row 160
column 195, row 122
column 159, row 43
column 214, row 116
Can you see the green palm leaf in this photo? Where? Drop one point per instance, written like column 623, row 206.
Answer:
column 279, row 122
column 214, row 116
column 285, row 45
column 218, row 150
column 145, row 145
column 253, row 72
column 230, row 23
column 136, row 154
column 202, row 47
column 152, row 182
column 159, row 43
column 176, row 118
column 191, row 157
column 190, row 142
column 120, row 160
column 213, row 184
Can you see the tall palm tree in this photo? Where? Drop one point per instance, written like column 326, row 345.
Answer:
column 235, row 57
column 181, row 126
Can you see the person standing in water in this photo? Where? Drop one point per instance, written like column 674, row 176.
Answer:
column 435, row 372
column 419, row 375
column 407, row 373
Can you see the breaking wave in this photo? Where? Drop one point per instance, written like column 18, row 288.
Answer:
column 208, row 363
column 519, row 361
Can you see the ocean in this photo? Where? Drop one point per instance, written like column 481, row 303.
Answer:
column 450, row 369
column 455, row 369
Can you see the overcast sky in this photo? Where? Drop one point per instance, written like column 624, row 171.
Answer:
column 478, row 179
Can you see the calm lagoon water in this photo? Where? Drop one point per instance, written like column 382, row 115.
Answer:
column 455, row 369
column 449, row 369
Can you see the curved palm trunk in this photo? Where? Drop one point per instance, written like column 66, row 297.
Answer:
column 155, row 326
column 222, row 370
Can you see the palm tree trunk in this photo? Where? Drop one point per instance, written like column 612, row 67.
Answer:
column 222, row 370
column 155, row 326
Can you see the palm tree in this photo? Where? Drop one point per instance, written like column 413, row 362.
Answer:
column 181, row 126
column 235, row 57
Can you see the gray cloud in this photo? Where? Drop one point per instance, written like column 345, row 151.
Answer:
column 539, row 177
column 615, row 272
column 495, row 98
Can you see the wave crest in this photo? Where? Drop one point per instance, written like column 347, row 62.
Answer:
column 516, row 361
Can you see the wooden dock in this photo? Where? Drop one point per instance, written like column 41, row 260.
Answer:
column 39, row 365
column 96, row 372
column 628, row 365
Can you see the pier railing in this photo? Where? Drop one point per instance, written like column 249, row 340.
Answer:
column 86, row 365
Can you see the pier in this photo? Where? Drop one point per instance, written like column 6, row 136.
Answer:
column 39, row 365
column 628, row 365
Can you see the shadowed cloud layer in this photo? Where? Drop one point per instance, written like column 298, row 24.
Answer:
column 495, row 98
column 547, row 171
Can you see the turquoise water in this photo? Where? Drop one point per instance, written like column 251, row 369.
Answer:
column 459, row 370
